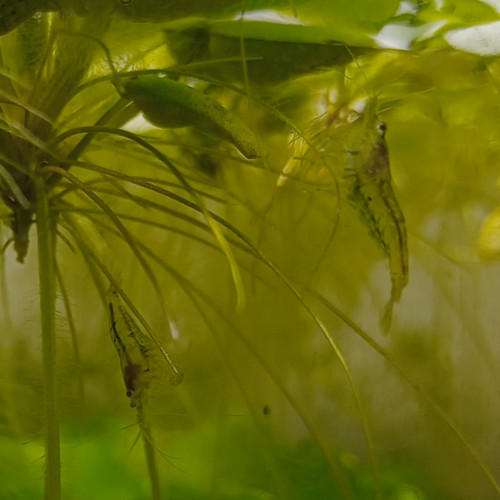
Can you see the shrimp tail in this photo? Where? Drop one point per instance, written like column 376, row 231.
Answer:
column 386, row 317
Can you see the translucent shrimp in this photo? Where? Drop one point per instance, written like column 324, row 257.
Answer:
column 137, row 359
column 369, row 185
column 355, row 139
column 134, row 350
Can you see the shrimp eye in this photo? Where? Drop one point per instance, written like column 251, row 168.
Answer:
column 382, row 129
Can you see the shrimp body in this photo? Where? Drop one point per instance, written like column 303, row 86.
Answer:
column 369, row 187
column 136, row 353
column 134, row 350
column 367, row 183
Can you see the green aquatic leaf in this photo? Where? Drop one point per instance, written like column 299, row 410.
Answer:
column 361, row 16
column 170, row 104
column 293, row 32
column 470, row 11
column 271, row 52
column 15, row 12
column 443, row 140
column 161, row 10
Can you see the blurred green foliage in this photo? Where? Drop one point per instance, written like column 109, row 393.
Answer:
column 101, row 464
column 266, row 409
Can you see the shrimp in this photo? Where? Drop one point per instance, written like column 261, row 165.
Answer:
column 137, row 360
column 357, row 138
column 368, row 182
column 134, row 350
column 371, row 193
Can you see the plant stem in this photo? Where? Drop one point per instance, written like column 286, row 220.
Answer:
column 47, row 282
column 149, row 451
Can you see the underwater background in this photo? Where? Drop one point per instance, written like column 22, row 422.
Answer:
column 250, row 249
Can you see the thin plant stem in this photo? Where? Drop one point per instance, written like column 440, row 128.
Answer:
column 150, row 452
column 419, row 390
column 192, row 292
column 46, row 271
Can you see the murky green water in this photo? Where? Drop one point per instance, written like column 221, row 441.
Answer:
column 299, row 212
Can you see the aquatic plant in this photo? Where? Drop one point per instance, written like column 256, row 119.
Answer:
column 236, row 195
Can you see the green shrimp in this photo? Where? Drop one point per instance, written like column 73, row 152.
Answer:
column 137, row 360
column 371, row 193
column 134, row 350
column 367, row 182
